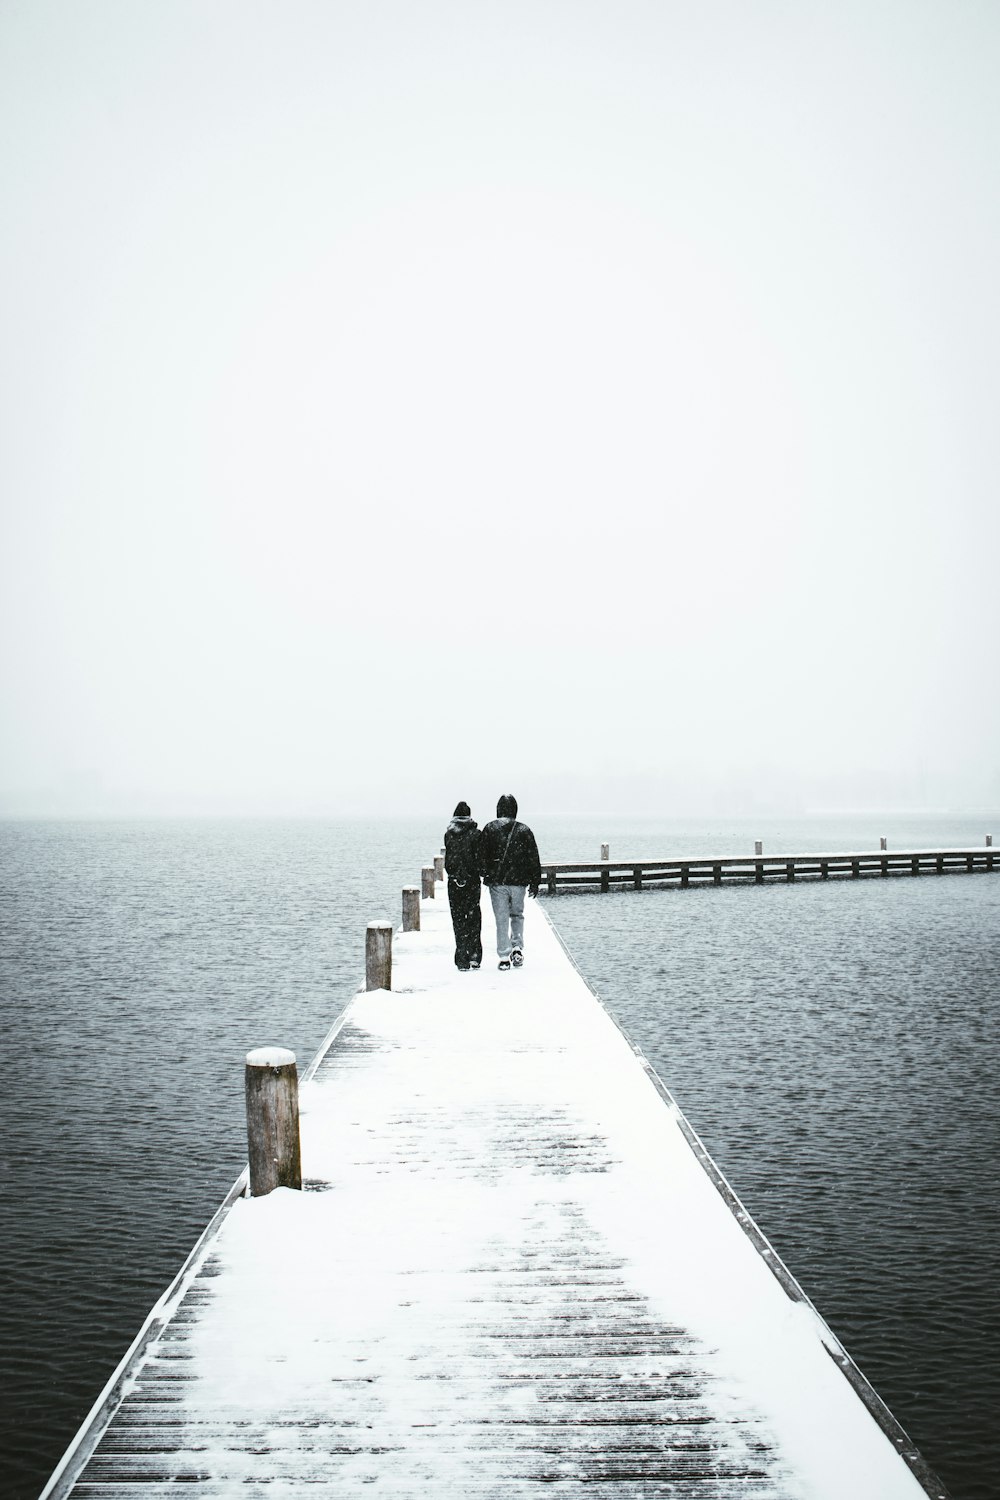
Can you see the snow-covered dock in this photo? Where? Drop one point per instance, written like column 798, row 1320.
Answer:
column 513, row 1271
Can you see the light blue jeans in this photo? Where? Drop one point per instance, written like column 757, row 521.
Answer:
column 508, row 908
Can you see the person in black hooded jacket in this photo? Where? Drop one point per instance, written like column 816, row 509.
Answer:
column 508, row 859
column 461, row 862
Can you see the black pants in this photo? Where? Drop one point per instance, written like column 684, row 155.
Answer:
column 467, row 922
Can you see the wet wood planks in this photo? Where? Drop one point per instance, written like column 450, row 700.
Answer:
column 514, row 1271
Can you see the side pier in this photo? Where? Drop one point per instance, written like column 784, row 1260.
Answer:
column 513, row 1269
column 639, row 874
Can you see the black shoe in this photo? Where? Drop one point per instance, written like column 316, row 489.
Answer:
column 504, row 963
column 517, row 958
column 474, row 964
column 462, row 968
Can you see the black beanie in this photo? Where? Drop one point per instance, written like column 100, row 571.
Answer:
column 463, row 810
column 507, row 806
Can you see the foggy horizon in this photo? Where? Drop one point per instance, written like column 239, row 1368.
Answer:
column 404, row 402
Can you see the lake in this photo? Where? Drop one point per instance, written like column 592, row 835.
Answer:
column 835, row 1044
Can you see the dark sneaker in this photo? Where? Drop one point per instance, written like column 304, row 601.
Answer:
column 474, row 964
column 504, row 963
column 463, row 968
column 517, row 958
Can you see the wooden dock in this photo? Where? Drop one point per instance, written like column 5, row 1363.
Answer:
column 640, row 874
column 513, row 1271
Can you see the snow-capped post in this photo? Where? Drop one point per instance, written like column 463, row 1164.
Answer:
column 605, row 851
column 378, row 956
column 427, row 881
column 882, row 844
column 272, row 1093
column 411, row 908
column 438, row 867
column 758, row 847
column 989, row 841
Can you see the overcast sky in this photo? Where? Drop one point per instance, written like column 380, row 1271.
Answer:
column 597, row 400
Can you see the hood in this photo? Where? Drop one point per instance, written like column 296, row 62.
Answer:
column 462, row 825
column 507, row 807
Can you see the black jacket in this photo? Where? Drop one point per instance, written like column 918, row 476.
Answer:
column 461, row 849
column 508, row 854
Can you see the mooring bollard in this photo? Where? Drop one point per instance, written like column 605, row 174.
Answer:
column 438, row 867
column 882, row 844
column 758, row 848
column 378, row 956
column 605, row 851
column 272, row 1094
column 411, row 908
column 427, row 881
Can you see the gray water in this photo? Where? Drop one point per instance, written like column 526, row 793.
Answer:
column 834, row 1044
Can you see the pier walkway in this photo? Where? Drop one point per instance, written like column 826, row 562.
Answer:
column 641, row 873
column 512, row 1272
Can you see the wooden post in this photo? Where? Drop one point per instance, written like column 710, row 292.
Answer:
column 551, row 881
column 427, row 882
column 411, row 908
column 856, row 868
column 989, row 841
column 789, row 869
column 758, row 869
column 637, row 878
column 605, row 851
column 685, row 875
column 758, row 848
column 438, row 867
column 378, row 956
column 882, row 844
column 716, row 874
column 605, row 878
column 824, row 869
column 272, row 1095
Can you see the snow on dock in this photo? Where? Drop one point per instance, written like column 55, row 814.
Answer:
column 513, row 1271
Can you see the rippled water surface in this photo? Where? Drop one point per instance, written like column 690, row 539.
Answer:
column 835, row 1045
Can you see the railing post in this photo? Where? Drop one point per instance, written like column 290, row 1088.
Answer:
column 605, row 851
column 411, row 908
column 272, row 1095
column 378, row 956
column 989, row 841
column 427, row 882
column 758, row 848
column 882, row 844
column 438, row 867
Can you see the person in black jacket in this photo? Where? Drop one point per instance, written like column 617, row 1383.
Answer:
column 508, row 859
column 461, row 862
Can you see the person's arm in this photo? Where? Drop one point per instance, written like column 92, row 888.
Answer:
column 535, row 864
column 483, row 851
